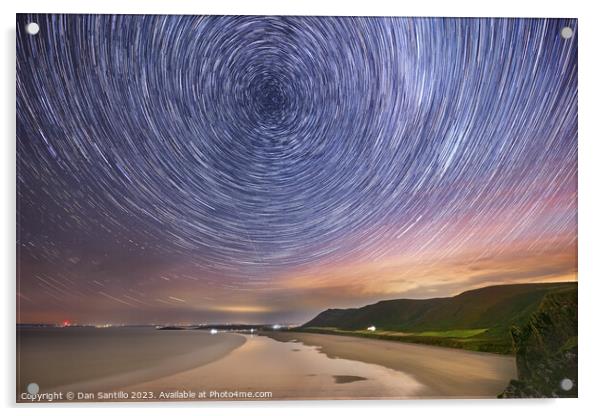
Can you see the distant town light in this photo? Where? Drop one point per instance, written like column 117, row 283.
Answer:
column 213, row 331
column 276, row 326
column 372, row 328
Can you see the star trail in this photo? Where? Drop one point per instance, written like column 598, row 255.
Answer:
column 262, row 168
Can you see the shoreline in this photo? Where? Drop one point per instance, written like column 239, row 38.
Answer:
column 486, row 346
column 422, row 371
column 295, row 366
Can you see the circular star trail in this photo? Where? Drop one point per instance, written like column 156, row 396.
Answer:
column 249, row 145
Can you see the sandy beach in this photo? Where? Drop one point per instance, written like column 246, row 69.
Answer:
column 290, row 371
column 273, row 366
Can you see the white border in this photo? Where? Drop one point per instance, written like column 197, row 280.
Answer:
column 590, row 209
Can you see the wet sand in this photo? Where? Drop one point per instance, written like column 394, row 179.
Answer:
column 290, row 371
column 447, row 372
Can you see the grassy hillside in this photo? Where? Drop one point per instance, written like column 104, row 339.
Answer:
column 478, row 319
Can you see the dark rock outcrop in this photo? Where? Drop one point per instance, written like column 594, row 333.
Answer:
column 546, row 350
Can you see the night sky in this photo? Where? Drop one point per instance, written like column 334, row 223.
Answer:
column 262, row 169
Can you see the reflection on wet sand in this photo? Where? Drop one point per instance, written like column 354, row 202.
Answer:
column 444, row 372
